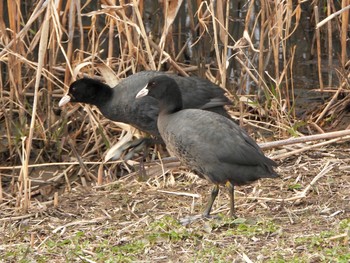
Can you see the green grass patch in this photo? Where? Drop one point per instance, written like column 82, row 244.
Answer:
column 248, row 227
column 294, row 187
column 168, row 229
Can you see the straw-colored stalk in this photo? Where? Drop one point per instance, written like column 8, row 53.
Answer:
column 318, row 45
column 268, row 28
column 344, row 32
column 330, row 45
column 42, row 52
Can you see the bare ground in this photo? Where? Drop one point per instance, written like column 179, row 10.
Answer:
column 138, row 221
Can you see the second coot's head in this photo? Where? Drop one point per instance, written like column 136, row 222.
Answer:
column 166, row 91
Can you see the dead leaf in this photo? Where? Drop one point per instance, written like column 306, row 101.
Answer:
column 170, row 10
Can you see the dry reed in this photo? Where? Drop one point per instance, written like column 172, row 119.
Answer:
column 44, row 45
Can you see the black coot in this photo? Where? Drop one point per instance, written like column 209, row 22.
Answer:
column 213, row 146
column 119, row 103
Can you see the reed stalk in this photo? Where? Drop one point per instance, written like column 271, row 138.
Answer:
column 248, row 49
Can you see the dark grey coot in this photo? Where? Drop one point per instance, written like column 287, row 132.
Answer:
column 119, row 103
column 213, row 146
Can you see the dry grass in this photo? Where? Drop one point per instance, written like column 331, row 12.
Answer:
column 293, row 219
column 51, row 161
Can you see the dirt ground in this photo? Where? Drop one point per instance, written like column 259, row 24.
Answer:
column 303, row 216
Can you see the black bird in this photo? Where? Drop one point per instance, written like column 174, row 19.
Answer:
column 213, row 146
column 119, row 103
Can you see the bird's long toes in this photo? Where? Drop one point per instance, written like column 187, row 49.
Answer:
column 190, row 219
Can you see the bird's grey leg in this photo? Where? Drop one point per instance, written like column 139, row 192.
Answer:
column 231, row 191
column 214, row 194
column 206, row 213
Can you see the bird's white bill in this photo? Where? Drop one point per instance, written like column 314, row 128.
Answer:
column 142, row 92
column 65, row 99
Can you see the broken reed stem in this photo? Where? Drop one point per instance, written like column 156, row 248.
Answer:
column 304, row 149
column 261, row 43
column 100, row 175
column 223, row 29
column 170, row 60
column 15, row 74
column 225, row 51
column 68, row 185
column 326, row 168
column 111, row 38
column 180, row 193
column 330, row 45
column 318, row 45
column 42, row 52
column 329, row 104
column 163, row 37
column 71, row 29
column 21, row 217
column 316, row 137
column 144, row 35
column 81, row 30
column 344, row 33
column 55, row 199
column 216, row 42
column 292, row 81
column 88, row 175
column 16, row 167
column 80, row 222
column 300, row 195
column 123, row 26
column 1, row 191
column 324, row 21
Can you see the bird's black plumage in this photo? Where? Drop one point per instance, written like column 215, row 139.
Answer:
column 119, row 103
column 213, row 146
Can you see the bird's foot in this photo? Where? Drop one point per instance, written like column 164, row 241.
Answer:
column 129, row 149
column 190, row 219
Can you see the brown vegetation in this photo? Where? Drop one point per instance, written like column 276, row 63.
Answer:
column 259, row 52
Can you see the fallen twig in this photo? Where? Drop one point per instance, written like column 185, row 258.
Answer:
column 80, row 222
column 324, row 21
column 302, row 194
column 180, row 193
column 12, row 218
column 309, row 138
column 307, row 148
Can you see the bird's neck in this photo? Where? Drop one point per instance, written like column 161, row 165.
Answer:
column 171, row 104
column 105, row 94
